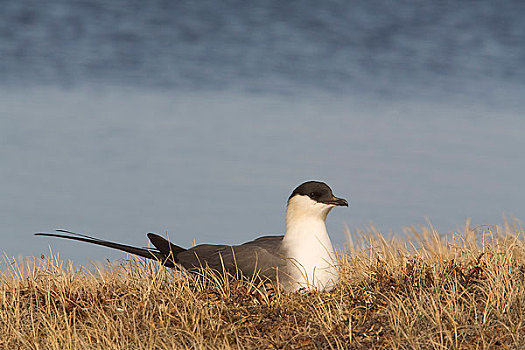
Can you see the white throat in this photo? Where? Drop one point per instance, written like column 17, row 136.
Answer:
column 308, row 245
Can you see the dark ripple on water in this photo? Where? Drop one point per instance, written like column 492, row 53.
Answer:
column 379, row 46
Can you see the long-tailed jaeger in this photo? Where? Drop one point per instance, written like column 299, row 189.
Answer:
column 303, row 258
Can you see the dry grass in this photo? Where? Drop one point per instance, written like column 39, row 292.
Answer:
column 464, row 292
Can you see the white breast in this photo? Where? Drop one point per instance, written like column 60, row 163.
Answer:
column 308, row 245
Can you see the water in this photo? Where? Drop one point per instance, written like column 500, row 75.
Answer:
column 378, row 46
column 121, row 118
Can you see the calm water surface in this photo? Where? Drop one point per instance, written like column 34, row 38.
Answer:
column 199, row 119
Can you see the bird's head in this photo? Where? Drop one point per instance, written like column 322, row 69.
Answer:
column 313, row 199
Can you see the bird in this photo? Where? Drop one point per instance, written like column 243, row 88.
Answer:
column 301, row 259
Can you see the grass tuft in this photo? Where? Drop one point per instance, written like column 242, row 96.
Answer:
column 463, row 291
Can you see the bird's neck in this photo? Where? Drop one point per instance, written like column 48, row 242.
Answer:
column 304, row 229
column 305, row 225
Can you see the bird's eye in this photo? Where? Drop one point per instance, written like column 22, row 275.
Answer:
column 312, row 194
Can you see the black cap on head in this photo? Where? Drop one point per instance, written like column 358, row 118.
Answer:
column 319, row 192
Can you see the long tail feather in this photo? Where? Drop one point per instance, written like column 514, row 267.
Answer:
column 144, row 252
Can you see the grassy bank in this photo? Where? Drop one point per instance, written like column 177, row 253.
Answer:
column 462, row 291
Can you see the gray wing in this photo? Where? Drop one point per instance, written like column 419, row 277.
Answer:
column 263, row 257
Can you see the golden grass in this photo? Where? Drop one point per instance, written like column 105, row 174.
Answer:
column 463, row 291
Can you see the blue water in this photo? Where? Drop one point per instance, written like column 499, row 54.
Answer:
column 120, row 118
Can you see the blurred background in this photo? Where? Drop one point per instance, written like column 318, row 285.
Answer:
column 199, row 118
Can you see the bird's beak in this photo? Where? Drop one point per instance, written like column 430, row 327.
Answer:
column 338, row 201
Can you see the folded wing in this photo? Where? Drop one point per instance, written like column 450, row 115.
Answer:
column 262, row 257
